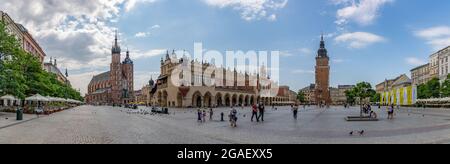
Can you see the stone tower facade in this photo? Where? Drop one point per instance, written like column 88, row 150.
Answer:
column 322, row 90
column 115, row 86
column 121, row 76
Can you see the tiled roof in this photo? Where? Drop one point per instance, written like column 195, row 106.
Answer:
column 101, row 77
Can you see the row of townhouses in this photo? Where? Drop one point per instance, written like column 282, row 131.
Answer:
column 30, row 45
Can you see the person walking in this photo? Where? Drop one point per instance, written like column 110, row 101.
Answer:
column 295, row 110
column 204, row 116
column 199, row 115
column 261, row 112
column 255, row 112
column 391, row 112
column 211, row 113
column 233, row 117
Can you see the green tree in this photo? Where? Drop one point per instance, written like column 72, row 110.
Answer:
column 433, row 88
column 351, row 97
column 376, row 97
column 445, row 88
column 363, row 91
column 11, row 79
column 422, row 92
column 301, row 96
column 21, row 74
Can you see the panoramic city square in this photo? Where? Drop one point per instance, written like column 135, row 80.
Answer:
column 259, row 72
column 115, row 125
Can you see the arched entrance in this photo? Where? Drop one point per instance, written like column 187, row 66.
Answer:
column 241, row 100
column 164, row 99
column 207, row 99
column 234, row 100
column 179, row 100
column 159, row 98
column 252, row 100
column 219, row 100
column 246, row 101
column 227, row 100
column 197, row 100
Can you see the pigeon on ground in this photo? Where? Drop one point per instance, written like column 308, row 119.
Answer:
column 351, row 133
column 361, row 132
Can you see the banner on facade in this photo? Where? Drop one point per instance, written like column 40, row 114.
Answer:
column 400, row 96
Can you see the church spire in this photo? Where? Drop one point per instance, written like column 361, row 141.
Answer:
column 322, row 52
column 116, row 48
column 127, row 58
column 115, row 38
column 322, row 42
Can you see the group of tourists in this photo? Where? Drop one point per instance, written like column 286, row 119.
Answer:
column 391, row 112
column 258, row 112
column 367, row 109
column 202, row 114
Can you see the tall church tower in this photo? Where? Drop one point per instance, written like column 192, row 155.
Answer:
column 128, row 82
column 116, row 73
column 322, row 90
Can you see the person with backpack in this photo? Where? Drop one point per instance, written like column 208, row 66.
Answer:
column 255, row 112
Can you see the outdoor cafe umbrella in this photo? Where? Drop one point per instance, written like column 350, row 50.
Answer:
column 37, row 97
column 51, row 99
column 8, row 97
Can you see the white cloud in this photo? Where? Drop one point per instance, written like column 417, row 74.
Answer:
column 141, row 78
column 306, row 51
column 359, row 39
column 363, row 12
column 415, row 61
column 79, row 33
column 338, row 61
column 155, row 27
column 300, row 51
column 130, row 4
column 301, row 71
column 272, row 17
column 142, row 34
column 251, row 9
column 147, row 54
column 146, row 33
column 286, row 53
column 438, row 37
column 80, row 81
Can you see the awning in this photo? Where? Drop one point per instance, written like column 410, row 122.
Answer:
column 8, row 97
column 37, row 97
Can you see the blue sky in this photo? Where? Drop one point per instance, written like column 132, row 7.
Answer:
column 367, row 40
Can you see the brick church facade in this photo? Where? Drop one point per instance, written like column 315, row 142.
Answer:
column 322, row 90
column 115, row 86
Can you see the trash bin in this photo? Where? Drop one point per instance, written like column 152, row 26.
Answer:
column 19, row 114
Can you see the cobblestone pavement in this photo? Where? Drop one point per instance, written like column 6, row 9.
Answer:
column 104, row 125
column 9, row 119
